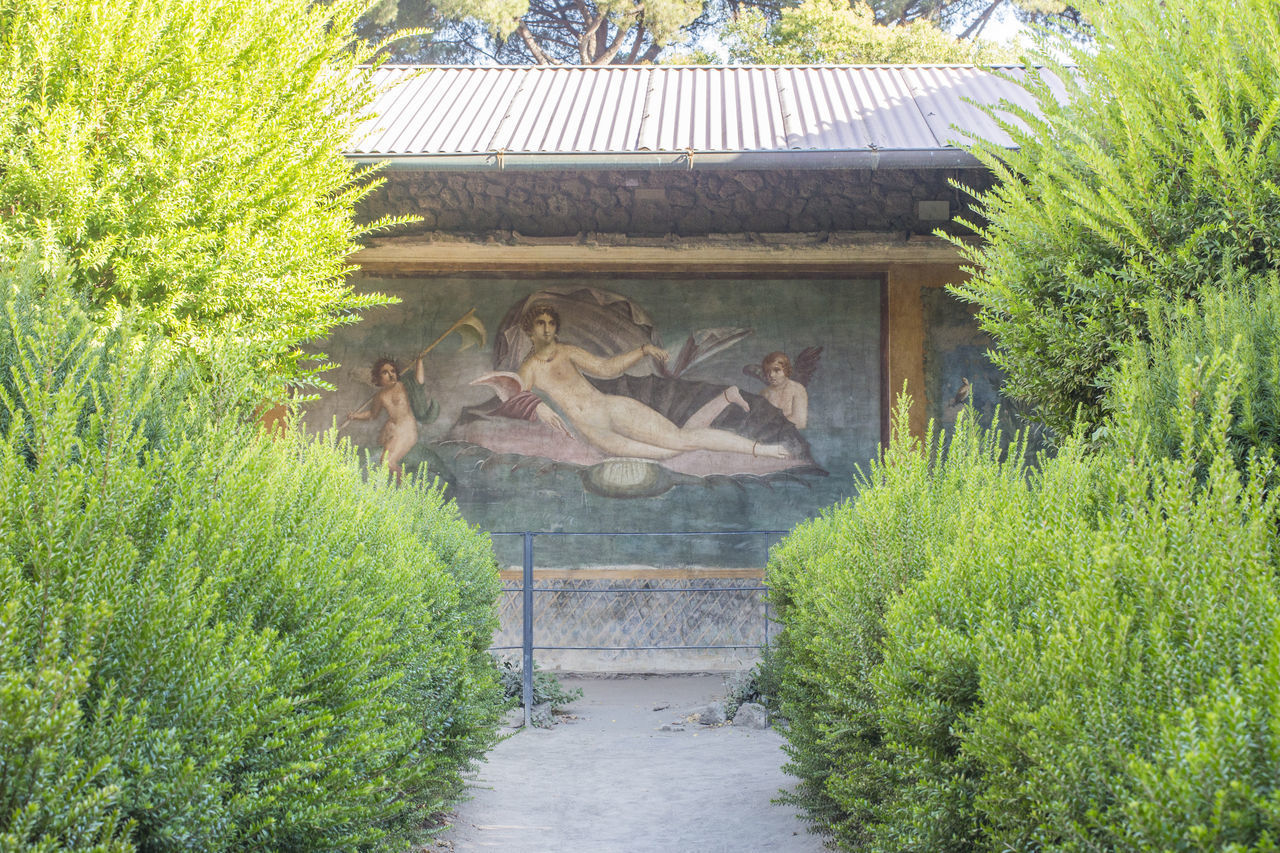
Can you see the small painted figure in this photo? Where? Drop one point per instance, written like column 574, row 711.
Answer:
column 786, row 384
column 958, row 401
column 783, row 391
column 399, row 400
column 619, row 425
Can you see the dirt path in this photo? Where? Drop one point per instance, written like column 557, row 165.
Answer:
column 611, row 781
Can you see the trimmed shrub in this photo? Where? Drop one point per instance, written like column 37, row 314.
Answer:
column 1154, row 181
column 1242, row 321
column 830, row 583
column 1087, row 656
column 187, row 159
column 213, row 639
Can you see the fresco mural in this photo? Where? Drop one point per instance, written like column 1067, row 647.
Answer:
column 787, row 394
column 555, row 405
column 404, row 399
column 581, row 382
column 958, row 371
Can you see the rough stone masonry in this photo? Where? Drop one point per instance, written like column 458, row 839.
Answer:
column 684, row 203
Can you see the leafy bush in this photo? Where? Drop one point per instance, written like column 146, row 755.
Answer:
column 1241, row 321
column 213, row 639
column 546, row 686
column 187, row 159
column 1081, row 657
column 830, row 582
column 1153, row 181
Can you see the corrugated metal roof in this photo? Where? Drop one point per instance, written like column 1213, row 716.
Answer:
column 654, row 116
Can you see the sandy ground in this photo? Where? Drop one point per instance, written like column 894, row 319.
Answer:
column 609, row 780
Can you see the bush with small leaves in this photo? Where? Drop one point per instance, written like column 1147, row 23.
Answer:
column 186, row 158
column 1082, row 656
column 830, row 582
column 1241, row 320
column 1153, row 181
column 215, row 639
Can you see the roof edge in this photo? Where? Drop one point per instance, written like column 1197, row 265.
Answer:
column 501, row 161
column 402, row 66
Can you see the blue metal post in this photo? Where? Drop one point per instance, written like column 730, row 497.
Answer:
column 765, row 595
column 527, row 641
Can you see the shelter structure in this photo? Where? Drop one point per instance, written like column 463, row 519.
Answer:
column 740, row 266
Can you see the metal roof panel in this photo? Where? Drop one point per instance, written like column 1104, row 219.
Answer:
column 445, row 110
column 566, row 110
column 947, row 97
column 712, row 109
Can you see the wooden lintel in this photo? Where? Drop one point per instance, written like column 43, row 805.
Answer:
column 427, row 255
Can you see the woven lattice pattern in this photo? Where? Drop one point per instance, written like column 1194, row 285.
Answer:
column 632, row 613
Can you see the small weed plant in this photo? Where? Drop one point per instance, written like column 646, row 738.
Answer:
column 546, row 686
column 756, row 685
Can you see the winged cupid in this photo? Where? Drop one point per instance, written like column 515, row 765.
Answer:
column 785, row 382
column 403, row 397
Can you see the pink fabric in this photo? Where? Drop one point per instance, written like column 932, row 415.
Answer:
column 522, row 406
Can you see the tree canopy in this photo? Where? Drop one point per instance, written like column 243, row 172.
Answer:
column 543, row 32
column 603, row 32
column 832, row 31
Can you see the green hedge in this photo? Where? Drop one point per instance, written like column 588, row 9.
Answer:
column 186, row 158
column 1242, row 319
column 831, row 581
column 211, row 639
column 977, row 656
column 1154, row 180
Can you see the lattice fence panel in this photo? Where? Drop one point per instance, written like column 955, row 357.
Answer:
column 634, row 613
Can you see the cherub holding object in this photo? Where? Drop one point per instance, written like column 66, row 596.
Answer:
column 404, row 398
column 788, row 394
column 399, row 399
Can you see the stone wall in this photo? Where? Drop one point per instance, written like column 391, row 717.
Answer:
column 637, row 593
column 639, row 622
column 684, row 203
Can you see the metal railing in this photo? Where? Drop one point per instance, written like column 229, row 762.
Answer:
column 527, row 591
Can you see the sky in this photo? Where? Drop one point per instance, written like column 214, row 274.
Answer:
column 1004, row 26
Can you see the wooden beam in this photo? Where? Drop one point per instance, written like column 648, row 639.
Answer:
column 722, row 254
column 906, row 331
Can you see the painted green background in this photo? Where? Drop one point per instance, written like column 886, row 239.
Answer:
column 842, row 316
column 956, row 349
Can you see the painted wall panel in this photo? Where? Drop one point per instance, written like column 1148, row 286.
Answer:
column 712, row 468
column 958, row 371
